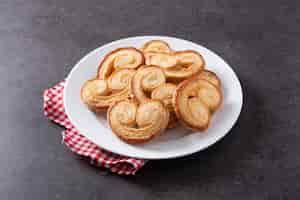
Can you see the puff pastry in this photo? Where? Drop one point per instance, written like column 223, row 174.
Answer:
column 122, row 58
column 189, row 63
column 135, row 123
column 163, row 60
column 149, row 90
column 146, row 79
column 194, row 101
column 99, row 93
column 157, row 46
column 120, row 79
column 211, row 77
column 164, row 93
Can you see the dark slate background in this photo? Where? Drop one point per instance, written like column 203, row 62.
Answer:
column 40, row 41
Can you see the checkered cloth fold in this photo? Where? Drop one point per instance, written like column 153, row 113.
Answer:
column 54, row 110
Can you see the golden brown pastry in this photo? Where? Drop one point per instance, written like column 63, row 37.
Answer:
column 135, row 123
column 120, row 79
column 164, row 60
column 157, row 46
column 122, row 58
column 189, row 63
column 99, row 94
column 164, row 93
column 211, row 77
column 194, row 101
column 146, row 79
column 91, row 89
column 151, row 89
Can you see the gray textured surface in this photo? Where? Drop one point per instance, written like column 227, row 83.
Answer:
column 40, row 40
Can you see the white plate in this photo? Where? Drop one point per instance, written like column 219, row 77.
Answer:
column 172, row 143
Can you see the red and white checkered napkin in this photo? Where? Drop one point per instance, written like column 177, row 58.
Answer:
column 54, row 110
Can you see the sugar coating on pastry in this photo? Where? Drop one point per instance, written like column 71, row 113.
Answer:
column 96, row 94
column 211, row 77
column 164, row 60
column 122, row 58
column 189, row 63
column 137, row 123
column 157, row 46
column 120, row 79
column 149, row 90
column 164, row 93
column 194, row 101
column 146, row 79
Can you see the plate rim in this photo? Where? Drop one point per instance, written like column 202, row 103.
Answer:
column 172, row 156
